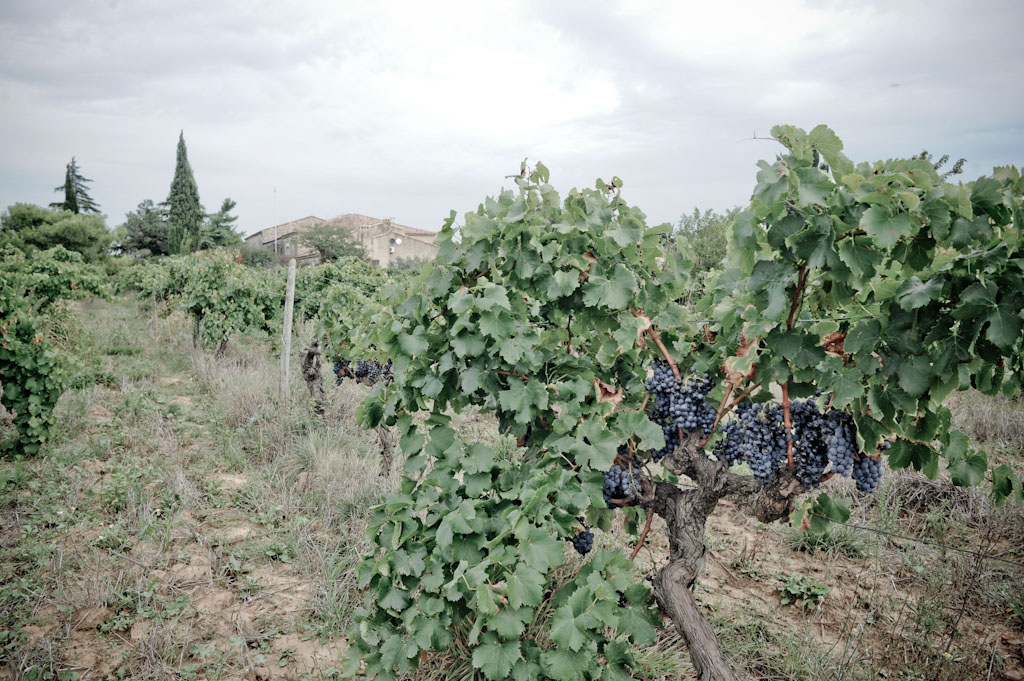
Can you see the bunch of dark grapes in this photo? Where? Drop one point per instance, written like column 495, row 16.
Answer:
column 583, row 542
column 620, row 482
column 810, row 445
column 671, row 434
column 370, row 370
column 867, row 473
column 757, row 436
column 342, row 370
column 367, row 371
column 679, row 405
column 842, row 441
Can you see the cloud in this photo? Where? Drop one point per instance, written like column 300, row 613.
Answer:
column 409, row 109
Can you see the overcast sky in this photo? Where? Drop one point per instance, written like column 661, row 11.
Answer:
column 412, row 109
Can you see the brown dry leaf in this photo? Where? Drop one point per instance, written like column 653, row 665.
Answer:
column 606, row 393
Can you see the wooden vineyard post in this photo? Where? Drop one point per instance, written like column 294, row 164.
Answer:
column 286, row 334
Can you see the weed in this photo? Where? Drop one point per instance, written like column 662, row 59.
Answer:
column 278, row 551
column 799, row 589
column 14, row 475
column 123, row 487
column 123, row 350
column 838, row 540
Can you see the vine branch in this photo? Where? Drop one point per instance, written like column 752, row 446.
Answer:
column 788, row 422
column 743, row 395
column 664, row 351
column 722, row 409
column 643, row 536
column 801, row 282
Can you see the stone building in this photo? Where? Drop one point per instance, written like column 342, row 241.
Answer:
column 384, row 239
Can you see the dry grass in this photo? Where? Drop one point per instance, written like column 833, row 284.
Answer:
column 196, row 465
column 992, row 421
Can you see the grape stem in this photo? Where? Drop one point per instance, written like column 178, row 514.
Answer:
column 801, row 282
column 511, row 373
column 664, row 351
column 571, row 465
column 643, row 536
column 723, row 407
column 856, row 232
column 743, row 395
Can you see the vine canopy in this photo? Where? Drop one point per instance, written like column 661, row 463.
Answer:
column 878, row 288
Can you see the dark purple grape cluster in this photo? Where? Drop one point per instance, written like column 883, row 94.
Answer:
column 681, row 404
column 370, row 370
column 367, row 371
column 672, row 440
column 842, row 441
column 342, row 369
column 810, row 446
column 583, row 542
column 867, row 473
column 678, row 404
column 757, row 436
column 620, row 482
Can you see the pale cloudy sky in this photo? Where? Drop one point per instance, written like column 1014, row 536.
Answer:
column 411, row 109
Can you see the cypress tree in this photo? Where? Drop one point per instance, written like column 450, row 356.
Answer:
column 76, row 194
column 184, row 212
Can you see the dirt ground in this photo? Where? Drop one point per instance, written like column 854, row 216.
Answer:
column 182, row 525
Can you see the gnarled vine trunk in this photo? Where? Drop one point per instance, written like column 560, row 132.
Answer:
column 686, row 513
column 387, row 444
column 310, row 358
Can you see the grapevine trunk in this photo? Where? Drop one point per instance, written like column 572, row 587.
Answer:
column 685, row 513
column 311, row 374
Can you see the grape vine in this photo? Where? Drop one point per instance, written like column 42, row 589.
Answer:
column 32, row 291
column 853, row 291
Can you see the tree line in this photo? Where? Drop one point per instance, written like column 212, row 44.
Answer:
column 180, row 225
column 177, row 225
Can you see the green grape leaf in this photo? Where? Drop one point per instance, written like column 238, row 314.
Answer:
column 1004, row 326
column 541, row 551
column 883, row 228
column 506, row 624
column 915, row 375
column 563, row 665
column 525, row 587
column 566, row 631
column 413, row 344
column 495, row 658
column 615, row 293
column 830, row 147
column 915, row 293
column 636, row 624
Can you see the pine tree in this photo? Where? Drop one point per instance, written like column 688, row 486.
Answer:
column 185, row 214
column 144, row 231
column 76, row 194
column 219, row 228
